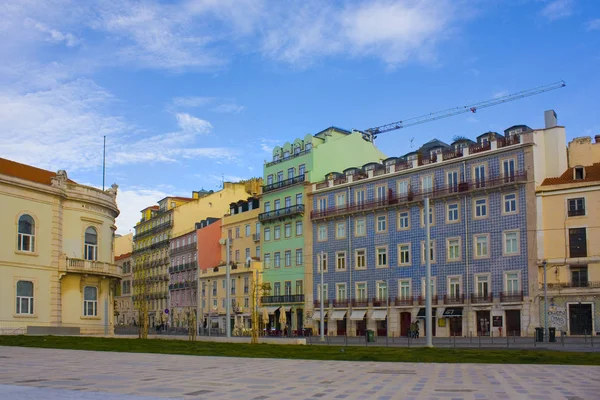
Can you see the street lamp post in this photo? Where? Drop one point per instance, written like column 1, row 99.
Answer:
column 322, row 290
column 545, row 302
column 428, row 321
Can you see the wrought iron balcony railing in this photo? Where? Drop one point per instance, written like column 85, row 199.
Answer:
column 511, row 297
column 283, row 184
column 286, row 298
column 281, row 213
column 477, row 298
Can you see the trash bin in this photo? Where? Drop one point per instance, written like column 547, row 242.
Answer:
column 539, row 334
column 552, row 334
column 370, row 336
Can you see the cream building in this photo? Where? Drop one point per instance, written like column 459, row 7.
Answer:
column 57, row 255
column 124, row 311
column 568, row 241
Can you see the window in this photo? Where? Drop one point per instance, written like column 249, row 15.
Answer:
column 267, row 234
column 299, row 287
column 237, row 232
column 277, row 232
column 454, row 287
column 431, row 216
column 360, row 197
column 267, row 260
column 453, row 245
column 424, row 252
column 237, row 255
column 404, row 254
column 340, row 261
column 288, row 258
column 24, row 297
column 577, row 242
column 340, row 230
column 404, row 289
column 322, row 203
column 257, row 255
column 26, row 233
column 90, row 301
column 298, row 228
column 452, row 181
column 280, row 176
column 510, row 203
column 340, row 291
column 232, row 287
column 381, row 257
column 361, row 291
column 298, row 256
column 257, row 227
column 302, row 167
column 246, row 285
column 299, row 198
column 291, row 172
column 246, row 302
column 287, row 230
column 247, row 230
column 481, row 246
column 277, row 289
column 508, row 169
column 511, row 242
column 381, row 193
column 277, row 256
column 512, row 283
column 579, row 276
column 382, row 291
column 452, row 210
column 340, row 199
column 277, row 204
column 214, row 290
column 479, row 174
column 381, row 225
column 361, row 259
column 288, row 288
column 267, row 206
column 269, row 179
column 480, row 208
column 224, row 283
column 288, row 202
column 403, row 188
column 322, row 233
column 579, row 173
column 322, row 262
column 403, row 220
column 427, row 183
column 360, row 227
column 322, row 292
column 483, row 285
column 91, row 244
column 433, row 285
column 229, row 235
column 576, row 207
column 247, row 253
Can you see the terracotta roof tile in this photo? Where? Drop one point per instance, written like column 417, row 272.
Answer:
column 122, row 256
column 592, row 174
column 26, row 172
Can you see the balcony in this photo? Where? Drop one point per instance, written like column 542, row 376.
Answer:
column 360, row 303
column 288, row 298
column 282, row 213
column 282, row 159
column 511, row 297
column 434, row 300
column 317, row 304
column 159, row 245
column 340, row 303
column 454, row 299
column 481, row 298
column 156, row 229
column 419, row 195
column 283, row 184
column 79, row 266
column 182, row 249
column 404, row 301
column 379, row 302
column 576, row 213
column 580, row 284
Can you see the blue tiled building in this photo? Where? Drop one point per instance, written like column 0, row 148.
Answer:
column 369, row 236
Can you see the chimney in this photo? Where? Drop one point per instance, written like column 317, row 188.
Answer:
column 597, row 139
column 550, row 119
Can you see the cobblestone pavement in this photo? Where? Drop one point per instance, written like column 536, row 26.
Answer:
column 28, row 373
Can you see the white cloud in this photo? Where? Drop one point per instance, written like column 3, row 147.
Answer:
column 131, row 201
column 593, row 24
column 557, row 9
column 228, row 108
column 188, row 123
column 53, row 35
column 499, row 94
column 191, row 102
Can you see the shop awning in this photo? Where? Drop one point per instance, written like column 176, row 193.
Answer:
column 421, row 313
column 358, row 315
column 379, row 315
column 271, row 310
column 287, row 308
column 453, row 312
column 317, row 315
column 338, row 314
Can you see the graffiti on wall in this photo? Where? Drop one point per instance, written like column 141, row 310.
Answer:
column 557, row 317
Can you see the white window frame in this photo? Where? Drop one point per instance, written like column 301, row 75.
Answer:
column 377, row 261
column 287, row 233
column 449, row 283
column 29, row 300
column 399, row 219
column 267, row 234
column 357, row 290
column 363, row 257
column 299, row 259
column 87, row 303
column 340, row 261
column 322, row 263
column 488, row 279
column 505, row 249
column 90, row 250
column 22, row 236
column 519, row 282
column 433, row 283
column 299, row 228
column 277, row 232
column 340, row 200
column 322, row 233
column 319, row 292
column 487, row 245
column 452, row 221
column 382, row 286
column 378, row 195
column 400, row 286
column 408, row 260
column 431, row 215
column 342, row 286
column 380, row 219
column 363, row 221
column 425, row 178
column 505, row 202
column 479, row 208
column 458, row 247
column 342, row 234
column 400, row 186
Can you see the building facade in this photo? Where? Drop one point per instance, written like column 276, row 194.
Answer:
column 283, row 218
column 569, row 250
column 183, row 274
column 369, row 237
column 124, row 311
column 57, row 259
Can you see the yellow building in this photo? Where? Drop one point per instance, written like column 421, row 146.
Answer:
column 568, row 241
column 124, row 311
column 57, row 254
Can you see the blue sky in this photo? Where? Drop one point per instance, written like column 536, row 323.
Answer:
column 190, row 91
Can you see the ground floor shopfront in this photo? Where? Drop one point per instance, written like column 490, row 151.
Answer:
column 575, row 314
column 491, row 320
column 282, row 319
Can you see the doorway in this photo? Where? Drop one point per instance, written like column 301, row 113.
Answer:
column 341, row 327
column 513, row 322
column 580, row 319
column 483, row 323
column 405, row 320
column 456, row 326
column 361, row 327
column 382, row 327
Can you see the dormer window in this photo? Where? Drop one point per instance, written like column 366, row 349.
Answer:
column 286, row 154
column 369, row 167
column 515, row 131
column 297, row 149
column 308, row 146
column 579, row 173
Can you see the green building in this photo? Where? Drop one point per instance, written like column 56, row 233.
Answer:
column 287, row 238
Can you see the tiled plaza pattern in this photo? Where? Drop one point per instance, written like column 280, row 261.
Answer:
column 67, row 374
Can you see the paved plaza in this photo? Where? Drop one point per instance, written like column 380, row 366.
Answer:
column 29, row 373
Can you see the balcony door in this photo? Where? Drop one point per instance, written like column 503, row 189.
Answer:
column 577, row 242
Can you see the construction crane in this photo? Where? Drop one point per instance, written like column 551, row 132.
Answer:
column 373, row 132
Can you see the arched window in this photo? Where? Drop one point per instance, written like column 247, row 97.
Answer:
column 24, row 297
column 90, row 301
column 91, row 244
column 26, row 235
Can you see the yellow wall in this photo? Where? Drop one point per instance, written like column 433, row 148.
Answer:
column 242, row 242
column 123, row 244
column 583, row 151
column 72, row 286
